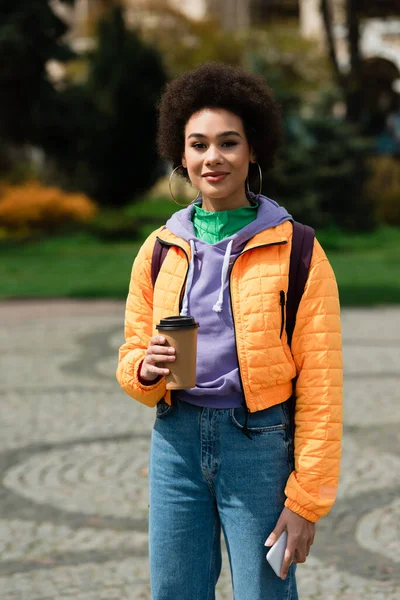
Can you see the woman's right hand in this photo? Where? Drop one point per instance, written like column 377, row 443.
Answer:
column 156, row 353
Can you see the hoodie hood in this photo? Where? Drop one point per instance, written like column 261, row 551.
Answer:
column 269, row 214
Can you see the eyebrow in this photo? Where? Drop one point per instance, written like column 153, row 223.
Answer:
column 220, row 135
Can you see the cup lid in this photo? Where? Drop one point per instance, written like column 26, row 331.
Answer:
column 175, row 323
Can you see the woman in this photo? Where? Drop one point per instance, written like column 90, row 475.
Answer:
column 227, row 266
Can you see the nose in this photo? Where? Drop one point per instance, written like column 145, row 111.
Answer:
column 213, row 156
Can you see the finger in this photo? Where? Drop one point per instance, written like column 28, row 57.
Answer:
column 274, row 535
column 271, row 539
column 163, row 350
column 160, row 350
column 308, row 543
column 158, row 339
column 299, row 557
column 159, row 358
column 158, row 370
column 287, row 561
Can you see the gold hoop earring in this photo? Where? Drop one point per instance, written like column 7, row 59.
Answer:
column 261, row 181
column 172, row 195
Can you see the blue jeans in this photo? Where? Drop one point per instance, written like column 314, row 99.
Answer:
column 204, row 474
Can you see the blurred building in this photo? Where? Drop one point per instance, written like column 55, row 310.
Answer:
column 379, row 41
column 380, row 29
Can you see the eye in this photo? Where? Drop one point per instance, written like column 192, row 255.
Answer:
column 229, row 143
column 198, row 145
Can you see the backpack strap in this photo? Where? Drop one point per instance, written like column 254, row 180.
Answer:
column 157, row 259
column 300, row 259
column 159, row 253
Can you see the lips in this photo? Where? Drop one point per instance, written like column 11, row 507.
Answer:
column 215, row 176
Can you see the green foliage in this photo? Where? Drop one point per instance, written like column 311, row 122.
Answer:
column 186, row 43
column 321, row 172
column 125, row 80
column 112, row 225
column 292, row 65
column 30, row 35
column 383, row 188
column 105, row 143
column 321, row 175
column 155, row 209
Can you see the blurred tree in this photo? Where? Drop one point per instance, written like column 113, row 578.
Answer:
column 289, row 62
column 105, row 143
column 350, row 83
column 327, row 17
column 186, row 43
column 321, row 173
column 30, row 35
column 126, row 77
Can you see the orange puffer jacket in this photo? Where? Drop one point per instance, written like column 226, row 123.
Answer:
column 267, row 365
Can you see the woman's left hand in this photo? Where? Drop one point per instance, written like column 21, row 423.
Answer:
column 299, row 541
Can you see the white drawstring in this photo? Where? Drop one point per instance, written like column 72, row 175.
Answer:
column 224, row 272
column 184, row 311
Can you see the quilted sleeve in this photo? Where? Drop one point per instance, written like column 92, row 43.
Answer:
column 139, row 330
column 317, row 352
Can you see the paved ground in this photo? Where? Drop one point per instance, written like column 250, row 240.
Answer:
column 73, row 456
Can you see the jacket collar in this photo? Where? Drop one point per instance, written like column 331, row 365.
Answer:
column 275, row 235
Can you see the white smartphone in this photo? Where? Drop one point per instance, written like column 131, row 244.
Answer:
column 276, row 553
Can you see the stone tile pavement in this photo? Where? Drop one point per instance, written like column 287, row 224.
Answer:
column 73, row 457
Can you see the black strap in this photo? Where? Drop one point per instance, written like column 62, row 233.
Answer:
column 300, row 259
column 157, row 259
column 159, row 253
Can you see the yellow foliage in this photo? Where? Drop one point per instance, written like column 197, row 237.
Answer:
column 32, row 207
column 383, row 187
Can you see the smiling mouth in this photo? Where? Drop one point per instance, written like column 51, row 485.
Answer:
column 215, row 177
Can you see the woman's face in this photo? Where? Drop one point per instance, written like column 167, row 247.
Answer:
column 217, row 156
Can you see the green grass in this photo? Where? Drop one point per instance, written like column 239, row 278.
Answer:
column 367, row 267
column 73, row 266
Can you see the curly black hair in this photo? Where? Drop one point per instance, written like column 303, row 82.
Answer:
column 217, row 85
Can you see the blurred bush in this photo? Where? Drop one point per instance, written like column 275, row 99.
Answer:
column 383, row 188
column 113, row 225
column 31, row 209
column 321, row 175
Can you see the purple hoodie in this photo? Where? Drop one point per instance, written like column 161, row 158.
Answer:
column 207, row 299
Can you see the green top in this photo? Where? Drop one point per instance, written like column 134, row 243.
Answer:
column 212, row 227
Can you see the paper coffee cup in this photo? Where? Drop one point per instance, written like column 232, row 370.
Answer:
column 181, row 334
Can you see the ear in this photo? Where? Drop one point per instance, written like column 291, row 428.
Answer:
column 253, row 158
column 183, row 161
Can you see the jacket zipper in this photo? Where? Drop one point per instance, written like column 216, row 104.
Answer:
column 282, row 303
column 170, row 245
column 246, row 408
